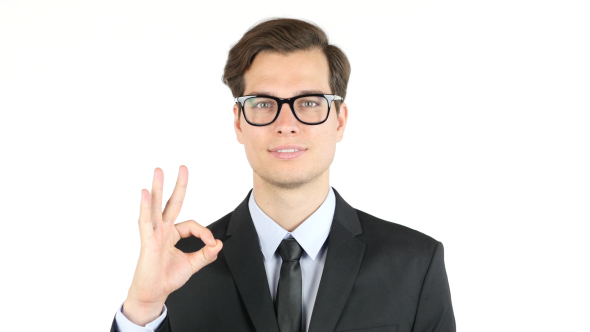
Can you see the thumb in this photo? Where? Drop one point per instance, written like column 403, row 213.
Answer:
column 205, row 256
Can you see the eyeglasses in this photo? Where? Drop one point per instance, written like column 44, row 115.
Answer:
column 310, row 109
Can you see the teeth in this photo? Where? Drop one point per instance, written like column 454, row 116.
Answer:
column 292, row 150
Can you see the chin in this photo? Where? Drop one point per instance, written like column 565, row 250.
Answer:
column 284, row 180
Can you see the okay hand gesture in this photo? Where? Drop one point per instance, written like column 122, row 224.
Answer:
column 162, row 268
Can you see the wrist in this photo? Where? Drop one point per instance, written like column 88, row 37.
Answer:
column 141, row 313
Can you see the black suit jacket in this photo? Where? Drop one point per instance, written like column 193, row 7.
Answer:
column 378, row 276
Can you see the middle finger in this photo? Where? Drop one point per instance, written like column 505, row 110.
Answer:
column 174, row 204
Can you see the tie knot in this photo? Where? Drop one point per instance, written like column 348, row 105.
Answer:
column 290, row 250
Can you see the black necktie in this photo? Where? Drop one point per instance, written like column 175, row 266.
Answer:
column 288, row 305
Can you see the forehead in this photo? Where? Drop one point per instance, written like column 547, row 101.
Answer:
column 284, row 75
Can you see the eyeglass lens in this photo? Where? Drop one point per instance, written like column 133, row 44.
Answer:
column 310, row 109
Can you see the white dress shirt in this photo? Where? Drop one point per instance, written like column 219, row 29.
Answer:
column 312, row 235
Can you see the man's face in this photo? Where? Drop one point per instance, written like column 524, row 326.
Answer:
column 286, row 76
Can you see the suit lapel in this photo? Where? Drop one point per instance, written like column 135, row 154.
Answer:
column 343, row 260
column 246, row 263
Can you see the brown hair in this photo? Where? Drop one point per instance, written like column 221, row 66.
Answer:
column 284, row 35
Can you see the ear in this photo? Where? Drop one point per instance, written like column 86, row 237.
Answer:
column 238, row 124
column 341, row 120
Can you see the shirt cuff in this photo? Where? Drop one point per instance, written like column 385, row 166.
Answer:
column 125, row 325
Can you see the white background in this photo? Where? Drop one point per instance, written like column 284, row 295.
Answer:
column 468, row 121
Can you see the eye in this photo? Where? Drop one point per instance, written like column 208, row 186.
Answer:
column 308, row 103
column 263, row 105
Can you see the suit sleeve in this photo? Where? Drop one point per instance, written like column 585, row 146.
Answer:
column 435, row 310
column 122, row 324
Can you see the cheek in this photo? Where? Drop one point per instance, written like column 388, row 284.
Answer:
column 328, row 130
column 254, row 145
column 324, row 142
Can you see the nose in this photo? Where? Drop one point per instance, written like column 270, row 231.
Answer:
column 286, row 122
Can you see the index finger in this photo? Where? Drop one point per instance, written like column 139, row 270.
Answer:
column 174, row 204
column 191, row 227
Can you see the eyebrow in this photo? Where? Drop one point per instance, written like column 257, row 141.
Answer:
column 298, row 93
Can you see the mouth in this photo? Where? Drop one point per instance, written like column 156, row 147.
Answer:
column 287, row 151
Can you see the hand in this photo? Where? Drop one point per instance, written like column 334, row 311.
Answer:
column 162, row 268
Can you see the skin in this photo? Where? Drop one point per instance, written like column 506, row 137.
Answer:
column 288, row 191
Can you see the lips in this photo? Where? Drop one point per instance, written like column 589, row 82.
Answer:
column 288, row 147
column 287, row 155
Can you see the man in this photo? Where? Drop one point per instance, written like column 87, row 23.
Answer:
column 296, row 256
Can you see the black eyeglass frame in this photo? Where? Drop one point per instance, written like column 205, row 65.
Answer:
column 291, row 101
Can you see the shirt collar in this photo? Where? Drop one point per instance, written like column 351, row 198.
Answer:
column 311, row 234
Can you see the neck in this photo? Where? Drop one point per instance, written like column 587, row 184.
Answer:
column 290, row 207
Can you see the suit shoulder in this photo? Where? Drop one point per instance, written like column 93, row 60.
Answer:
column 218, row 228
column 387, row 233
